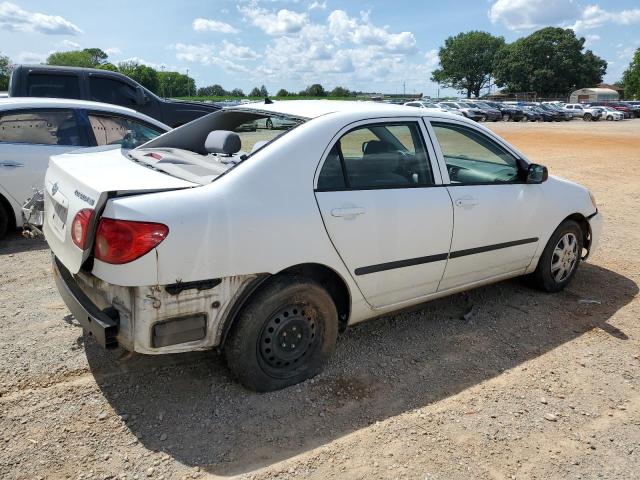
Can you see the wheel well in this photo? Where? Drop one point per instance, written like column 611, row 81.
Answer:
column 9, row 209
column 584, row 226
column 332, row 282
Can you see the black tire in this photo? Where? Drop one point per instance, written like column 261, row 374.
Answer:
column 553, row 279
column 506, row 117
column 610, row 118
column 587, row 117
column 269, row 124
column 284, row 307
column 4, row 220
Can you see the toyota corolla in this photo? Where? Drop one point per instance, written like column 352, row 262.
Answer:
column 266, row 244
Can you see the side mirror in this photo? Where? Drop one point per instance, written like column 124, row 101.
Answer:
column 141, row 98
column 537, row 173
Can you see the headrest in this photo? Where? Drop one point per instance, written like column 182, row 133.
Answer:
column 222, row 141
column 377, row 146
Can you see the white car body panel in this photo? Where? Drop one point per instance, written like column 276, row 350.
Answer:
column 264, row 216
column 23, row 166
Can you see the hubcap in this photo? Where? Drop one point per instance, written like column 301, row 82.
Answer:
column 288, row 336
column 565, row 257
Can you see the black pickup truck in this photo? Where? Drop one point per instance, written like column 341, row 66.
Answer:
column 102, row 86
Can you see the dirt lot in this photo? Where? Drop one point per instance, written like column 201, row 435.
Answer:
column 534, row 386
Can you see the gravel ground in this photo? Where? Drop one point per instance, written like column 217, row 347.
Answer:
column 531, row 386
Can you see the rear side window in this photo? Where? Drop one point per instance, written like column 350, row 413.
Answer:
column 43, row 127
column 112, row 91
column 53, row 86
column 377, row 156
column 123, row 131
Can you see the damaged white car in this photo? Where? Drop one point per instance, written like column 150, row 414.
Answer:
column 266, row 244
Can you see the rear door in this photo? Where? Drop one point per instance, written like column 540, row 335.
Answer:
column 380, row 195
column 27, row 139
column 497, row 215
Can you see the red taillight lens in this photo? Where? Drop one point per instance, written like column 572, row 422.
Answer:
column 122, row 241
column 80, row 227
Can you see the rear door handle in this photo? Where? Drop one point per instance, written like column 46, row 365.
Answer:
column 347, row 212
column 9, row 163
column 466, row 202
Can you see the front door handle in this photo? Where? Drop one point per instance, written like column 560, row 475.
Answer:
column 10, row 163
column 466, row 202
column 347, row 212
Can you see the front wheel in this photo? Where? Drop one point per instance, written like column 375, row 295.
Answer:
column 269, row 124
column 560, row 259
column 285, row 334
column 587, row 117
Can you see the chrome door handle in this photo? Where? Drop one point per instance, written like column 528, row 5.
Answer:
column 466, row 202
column 347, row 212
column 9, row 163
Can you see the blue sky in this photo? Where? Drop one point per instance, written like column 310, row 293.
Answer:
column 371, row 46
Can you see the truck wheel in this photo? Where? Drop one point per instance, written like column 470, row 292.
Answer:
column 284, row 335
column 4, row 221
column 587, row 117
column 560, row 258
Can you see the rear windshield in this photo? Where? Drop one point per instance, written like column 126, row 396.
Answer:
column 182, row 152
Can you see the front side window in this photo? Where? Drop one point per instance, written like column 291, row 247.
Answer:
column 377, row 156
column 53, row 86
column 111, row 91
column 42, row 127
column 123, row 131
column 472, row 157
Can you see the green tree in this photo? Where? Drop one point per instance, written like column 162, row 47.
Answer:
column 212, row 91
column 237, row 92
column 315, row 90
column 631, row 77
column 283, row 93
column 466, row 61
column 340, row 92
column 89, row 57
column 175, row 84
column 255, row 92
column 548, row 61
column 108, row 66
column 5, row 72
column 143, row 74
column 263, row 91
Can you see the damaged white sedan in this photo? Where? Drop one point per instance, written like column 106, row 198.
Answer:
column 265, row 244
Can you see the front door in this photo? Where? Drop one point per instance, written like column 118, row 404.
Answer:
column 386, row 211
column 496, row 213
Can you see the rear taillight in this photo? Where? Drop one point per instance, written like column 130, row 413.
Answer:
column 80, row 227
column 122, row 241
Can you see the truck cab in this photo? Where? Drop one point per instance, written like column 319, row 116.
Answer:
column 102, row 86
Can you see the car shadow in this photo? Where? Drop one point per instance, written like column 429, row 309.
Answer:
column 14, row 242
column 189, row 406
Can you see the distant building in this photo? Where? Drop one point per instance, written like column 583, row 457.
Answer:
column 617, row 88
column 588, row 95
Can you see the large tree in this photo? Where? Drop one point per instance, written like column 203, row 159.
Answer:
column 175, row 84
column 549, row 61
column 466, row 61
column 143, row 74
column 89, row 57
column 631, row 77
column 5, row 72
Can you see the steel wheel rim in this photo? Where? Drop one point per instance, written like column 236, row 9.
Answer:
column 288, row 338
column 564, row 257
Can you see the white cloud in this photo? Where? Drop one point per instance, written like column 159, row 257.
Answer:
column 591, row 39
column 433, row 59
column 594, row 16
column 528, row 14
column 282, row 22
column 237, row 52
column 206, row 54
column 112, row 50
column 318, row 5
column 14, row 18
column 207, row 25
column 68, row 45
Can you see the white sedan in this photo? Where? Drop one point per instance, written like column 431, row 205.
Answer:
column 266, row 246
column 33, row 129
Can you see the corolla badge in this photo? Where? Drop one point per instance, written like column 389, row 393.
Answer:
column 54, row 188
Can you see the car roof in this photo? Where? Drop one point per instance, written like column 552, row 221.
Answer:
column 8, row 103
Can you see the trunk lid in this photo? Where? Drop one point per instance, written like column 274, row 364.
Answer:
column 77, row 181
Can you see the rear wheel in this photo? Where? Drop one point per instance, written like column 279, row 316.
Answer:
column 609, row 118
column 560, row 258
column 284, row 336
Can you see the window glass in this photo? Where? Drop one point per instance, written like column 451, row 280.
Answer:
column 472, row 157
column 377, row 156
column 112, row 91
column 53, row 86
column 129, row 133
column 53, row 127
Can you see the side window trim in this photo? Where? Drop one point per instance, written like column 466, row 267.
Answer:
column 428, row 148
column 520, row 159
